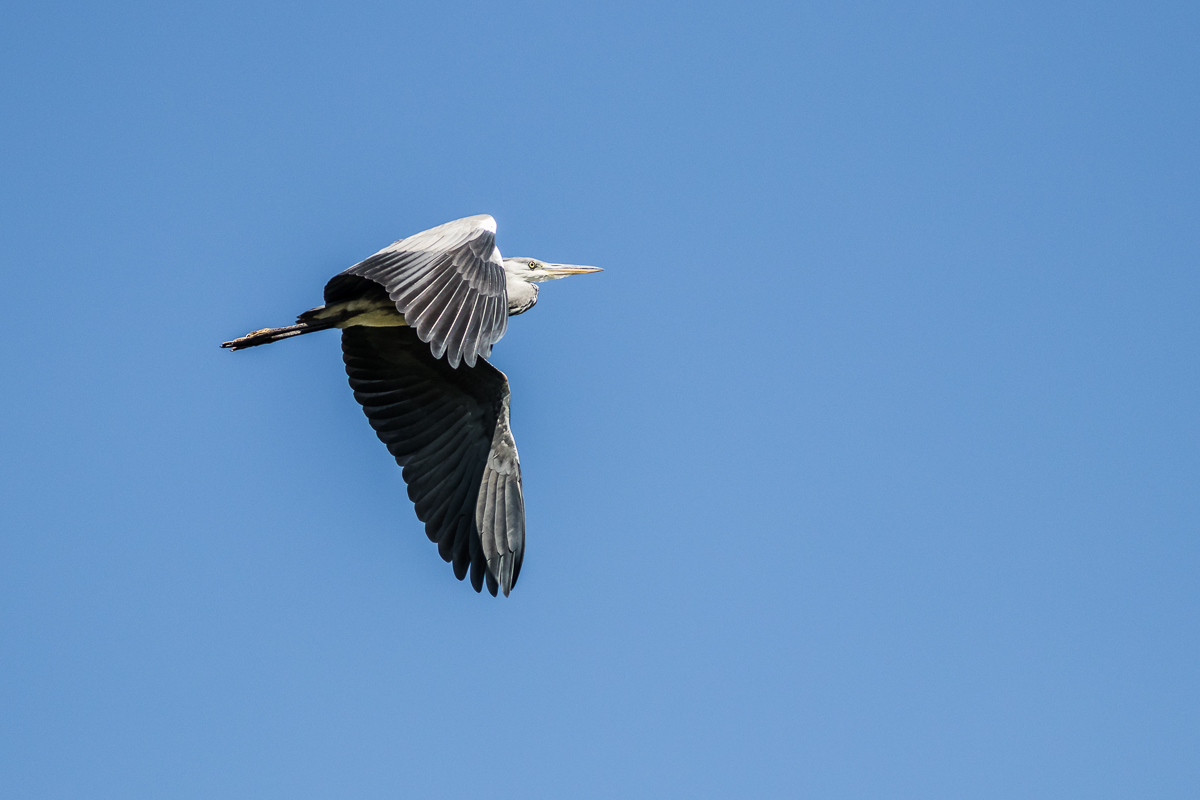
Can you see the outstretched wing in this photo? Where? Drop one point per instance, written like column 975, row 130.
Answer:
column 448, row 282
column 449, row 429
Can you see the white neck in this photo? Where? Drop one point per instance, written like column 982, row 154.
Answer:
column 522, row 295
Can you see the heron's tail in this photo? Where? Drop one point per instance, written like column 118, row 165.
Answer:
column 268, row 335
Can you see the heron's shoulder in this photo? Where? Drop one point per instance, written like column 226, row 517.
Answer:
column 479, row 222
column 449, row 235
column 483, row 221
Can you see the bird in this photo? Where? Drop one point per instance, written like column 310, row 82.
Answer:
column 418, row 321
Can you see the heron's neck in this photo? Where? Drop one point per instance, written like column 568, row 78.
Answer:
column 521, row 295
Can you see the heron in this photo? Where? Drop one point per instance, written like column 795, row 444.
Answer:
column 418, row 320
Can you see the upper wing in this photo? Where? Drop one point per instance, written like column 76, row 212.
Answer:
column 448, row 282
column 449, row 429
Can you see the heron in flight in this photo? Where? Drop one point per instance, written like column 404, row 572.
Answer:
column 418, row 322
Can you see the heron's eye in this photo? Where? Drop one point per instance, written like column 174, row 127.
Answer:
column 534, row 265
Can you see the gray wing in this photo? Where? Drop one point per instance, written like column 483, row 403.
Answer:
column 448, row 282
column 449, row 429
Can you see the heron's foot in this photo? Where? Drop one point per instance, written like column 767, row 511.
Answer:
column 268, row 335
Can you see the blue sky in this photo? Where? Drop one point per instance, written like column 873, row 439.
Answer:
column 868, row 468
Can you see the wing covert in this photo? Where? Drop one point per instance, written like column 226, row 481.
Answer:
column 449, row 429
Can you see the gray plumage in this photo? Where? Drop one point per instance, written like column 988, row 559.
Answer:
column 449, row 284
column 418, row 320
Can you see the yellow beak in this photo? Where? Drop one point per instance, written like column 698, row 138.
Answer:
column 563, row 270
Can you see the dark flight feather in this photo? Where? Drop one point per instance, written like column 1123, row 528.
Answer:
column 449, row 429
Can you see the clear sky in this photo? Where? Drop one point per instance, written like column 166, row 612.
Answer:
column 869, row 468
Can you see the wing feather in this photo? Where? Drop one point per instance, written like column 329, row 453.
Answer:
column 435, row 278
column 449, row 428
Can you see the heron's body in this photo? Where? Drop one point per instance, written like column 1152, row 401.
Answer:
column 370, row 312
column 418, row 320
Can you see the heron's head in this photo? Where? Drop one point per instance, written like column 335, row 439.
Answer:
column 531, row 270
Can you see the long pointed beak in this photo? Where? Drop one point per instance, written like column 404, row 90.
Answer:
column 563, row 270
